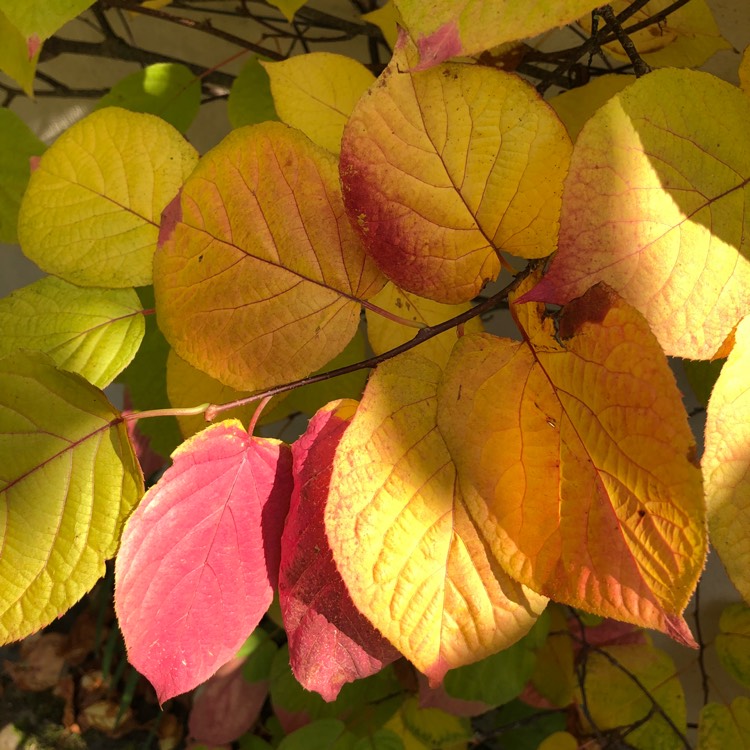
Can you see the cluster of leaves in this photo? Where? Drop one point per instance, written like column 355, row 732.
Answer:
column 475, row 478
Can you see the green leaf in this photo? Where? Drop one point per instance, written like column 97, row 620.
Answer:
column 702, row 376
column 323, row 734
column 68, row 480
column 42, row 18
column 94, row 332
column 92, row 210
column 250, row 100
column 733, row 642
column 382, row 739
column 168, row 90
column 520, row 726
column 14, row 56
column 721, row 727
column 17, row 145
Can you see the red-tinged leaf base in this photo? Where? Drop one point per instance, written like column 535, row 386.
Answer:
column 199, row 557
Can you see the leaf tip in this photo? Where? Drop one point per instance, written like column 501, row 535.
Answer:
column 677, row 629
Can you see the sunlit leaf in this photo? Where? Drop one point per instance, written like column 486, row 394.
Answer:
column 317, row 92
column 15, row 60
column 169, row 90
column 199, row 557
column 259, row 274
column 613, row 699
column 591, row 440
column 443, row 170
column 17, row 145
column 68, row 480
column 401, row 535
column 91, row 212
column 726, row 462
column 287, row 7
column 94, row 332
column 685, row 39
column 250, row 101
column 330, row 642
column 446, row 28
column 42, row 18
column 387, row 19
column 655, row 206
column 721, row 727
column 733, row 642
column 384, row 333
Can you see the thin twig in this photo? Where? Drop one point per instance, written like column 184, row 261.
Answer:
column 640, row 67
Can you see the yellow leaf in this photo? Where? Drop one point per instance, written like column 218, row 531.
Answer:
column 744, row 71
column 387, row 19
column 384, row 333
column 42, row 18
column 408, row 551
column 576, row 106
column 655, row 206
column 726, row 462
column 317, row 92
column 259, row 276
column 574, row 461
column 14, row 56
column 559, row 741
column 287, row 7
column 445, row 169
column 685, row 39
column 91, row 211
column 429, row 728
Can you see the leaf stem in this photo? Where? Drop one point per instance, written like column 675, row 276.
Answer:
column 189, row 411
column 392, row 316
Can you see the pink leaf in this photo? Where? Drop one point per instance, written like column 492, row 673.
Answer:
column 330, row 642
column 227, row 705
column 199, row 557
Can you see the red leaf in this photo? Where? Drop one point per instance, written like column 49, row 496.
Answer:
column 330, row 642
column 199, row 557
column 227, row 705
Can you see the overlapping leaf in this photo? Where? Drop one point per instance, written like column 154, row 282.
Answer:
column 288, row 7
column 92, row 208
column 40, row 19
column 68, row 480
column 330, row 642
column 259, row 275
column 14, row 56
column 410, row 554
column 447, row 28
column 94, row 332
column 722, row 727
column 655, row 205
column 726, row 462
column 575, row 461
column 442, row 170
column 250, row 101
column 733, row 642
column 317, row 92
column 199, row 557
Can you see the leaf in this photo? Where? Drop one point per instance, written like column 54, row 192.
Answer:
column 317, row 92
column 169, row 90
column 744, row 71
column 702, row 376
column 15, row 59
column 726, row 462
column 409, row 553
column 446, row 28
column 387, row 19
column 323, row 734
column 259, row 281
column 590, row 440
column 427, row 728
column 687, row 38
column 654, row 206
column 17, row 145
column 42, row 18
column 554, row 677
column 443, row 170
column 522, row 727
column 288, row 7
column 227, row 706
column 613, row 698
column 722, row 727
column 385, row 334
column 91, row 211
column 576, row 106
column 68, row 480
column 733, row 642
column 199, row 557
column 250, row 101
column 330, row 642
column 559, row 741
column 94, row 332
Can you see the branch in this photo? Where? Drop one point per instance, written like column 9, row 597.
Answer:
column 639, row 66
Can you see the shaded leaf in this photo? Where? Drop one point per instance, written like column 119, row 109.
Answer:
column 726, row 462
column 559, row 741
column 721, row 727
column 443, row 170
column 250, row 101
column 387, row 19
column 402, row 538
column 317, row 92
column 446, row 28
column 733, row 642
column 17, row 145
column 259, row 275
column 744, row 70
column 287, row 7
column 702, row 376
column 199, row 557
column 169, row 90
column 428, row 728
column 68, row 480
column 92, row 208
column 437, row 697
column 654, row 206
column 591, row 440
column 330, row 642
column 554, row 677
column 94, row 332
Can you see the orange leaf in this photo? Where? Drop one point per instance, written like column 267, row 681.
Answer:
column 403, row 541
column 575, row 461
